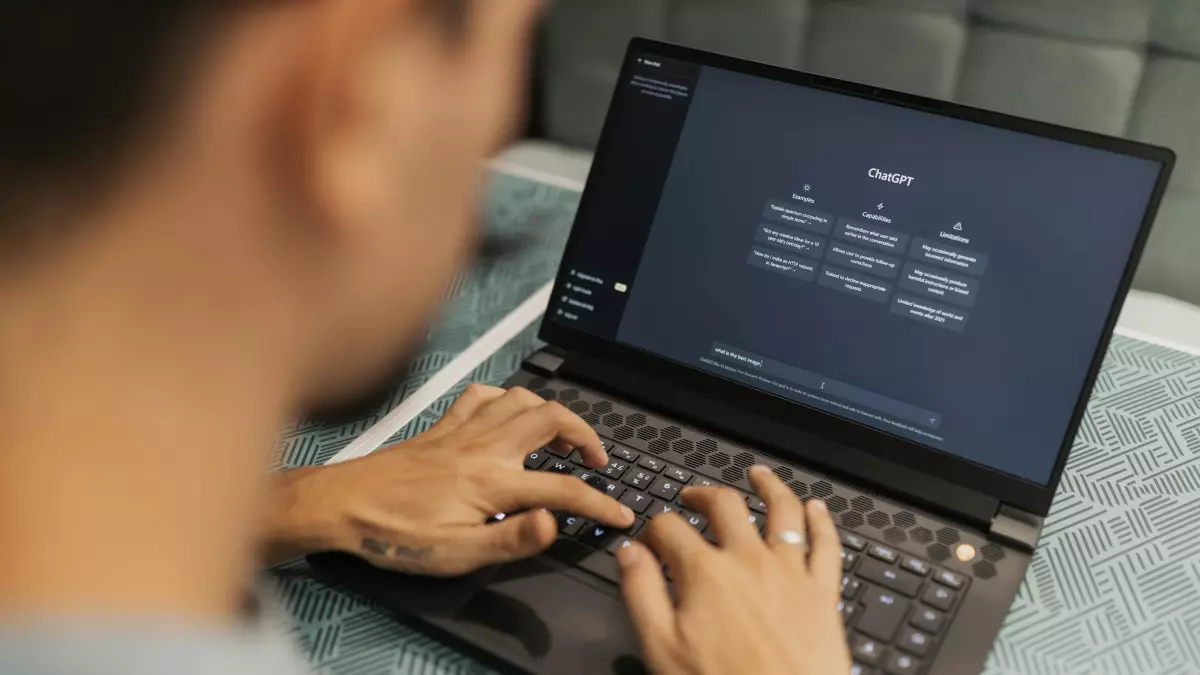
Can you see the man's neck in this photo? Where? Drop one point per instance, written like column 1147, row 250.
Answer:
column 139, row 401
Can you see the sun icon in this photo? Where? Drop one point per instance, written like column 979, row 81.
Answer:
column 808, row 188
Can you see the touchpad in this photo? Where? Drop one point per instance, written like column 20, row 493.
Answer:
column 545, row 620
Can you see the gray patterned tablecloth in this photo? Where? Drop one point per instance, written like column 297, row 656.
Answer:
column 1115, row 585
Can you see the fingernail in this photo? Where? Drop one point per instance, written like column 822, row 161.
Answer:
column 627, row 513
column 759, row 470
column 819, row 504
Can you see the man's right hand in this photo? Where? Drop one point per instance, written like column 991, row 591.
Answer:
column 745, row 605
column 421, row 506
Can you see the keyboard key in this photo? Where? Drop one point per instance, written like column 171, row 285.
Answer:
column 638, row 480
column 592, row 478
column 883, row 612
column 535, row 460
column 695, row 520
column 556, row 452
column 633, row 530
column 914, row 642
column 850, row 587
column 661, row 507
column 848, row 560
column 939, row 596
column 848, row 610
column 558, row 466
column 915, row 565
column 576, row 458
column 568, row 524
column 706, row 482
column 890, row 576
column 681, row 475
column 882, row 552
column 624, row 453
column 636, row 501
column 928, row 620
column 955, row 581
column 902, row 664
column 596, row 536
column 652, row 463
column 614, row 489
column 603, row 565
column 619, row 543
column 616, row 468
column 666, row 488
column 860, row 669
column 853, row 541
column 866, row 651
column 757, row 505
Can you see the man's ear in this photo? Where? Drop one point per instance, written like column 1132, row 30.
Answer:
column 330, row 112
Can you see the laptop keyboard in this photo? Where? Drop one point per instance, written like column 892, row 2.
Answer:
column 896, row 607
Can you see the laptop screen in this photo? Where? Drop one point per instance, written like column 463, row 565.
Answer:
column 940, row 280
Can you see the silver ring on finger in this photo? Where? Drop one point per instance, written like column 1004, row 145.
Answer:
column 793, row 538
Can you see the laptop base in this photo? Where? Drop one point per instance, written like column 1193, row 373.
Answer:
column 551, row 616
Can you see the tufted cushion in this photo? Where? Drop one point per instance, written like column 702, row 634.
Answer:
column 1078, row 85
column 914, row 52
column 958, row 7
column 1176, row 26
column 1168, row 113
column 1125, row 21
column 771, row 31
column 1169, row 263
column 586, row 41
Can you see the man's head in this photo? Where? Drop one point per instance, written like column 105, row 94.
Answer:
column 318, row 157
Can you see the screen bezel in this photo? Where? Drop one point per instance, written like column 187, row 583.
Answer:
column 1021, row 493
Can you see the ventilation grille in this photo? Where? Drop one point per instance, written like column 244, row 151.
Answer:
column 984, row 569
column 697, row 452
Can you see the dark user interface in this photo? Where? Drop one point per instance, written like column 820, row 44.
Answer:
column 940, row 280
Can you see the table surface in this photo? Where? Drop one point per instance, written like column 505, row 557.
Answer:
column 1115, row 584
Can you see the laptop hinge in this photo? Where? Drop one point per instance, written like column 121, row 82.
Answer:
column 1016, row 528
column 544, row 362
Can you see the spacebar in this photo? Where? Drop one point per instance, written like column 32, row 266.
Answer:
column 569, row 551
column 586, row 558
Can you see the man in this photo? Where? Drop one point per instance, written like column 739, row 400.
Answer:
column 216, row 213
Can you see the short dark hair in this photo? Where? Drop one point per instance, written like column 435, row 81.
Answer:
column 80, row 79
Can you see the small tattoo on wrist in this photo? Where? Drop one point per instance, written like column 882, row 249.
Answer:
column 382, row 548
column 374, row 546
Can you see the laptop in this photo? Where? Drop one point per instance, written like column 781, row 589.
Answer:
column 899, row 304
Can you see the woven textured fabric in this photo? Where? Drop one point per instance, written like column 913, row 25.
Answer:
column 1112, row 590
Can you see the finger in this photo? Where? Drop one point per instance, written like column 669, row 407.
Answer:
column 549, row 421
column 502, row 409
column 468, row 404
column 649, row 603
column 785, row 513
column 514, row 538
column 825, row 558
column 727, row 515
column 678, row 545
column 556, row 492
